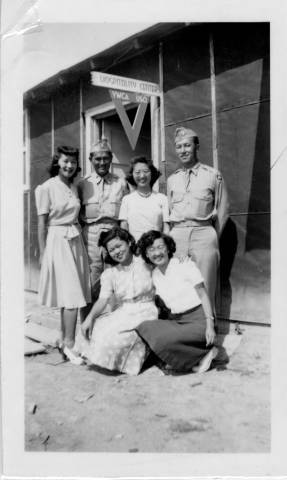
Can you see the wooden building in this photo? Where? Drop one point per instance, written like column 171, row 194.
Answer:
column 215, row 79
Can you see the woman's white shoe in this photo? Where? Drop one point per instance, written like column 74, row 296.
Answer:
column 72, row 356
column 205, row 362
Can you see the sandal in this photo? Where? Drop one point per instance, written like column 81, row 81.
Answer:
column 69, row 354
column 205, row 362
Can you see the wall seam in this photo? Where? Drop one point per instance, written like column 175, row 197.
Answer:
column 213, row 102
column 52, row 127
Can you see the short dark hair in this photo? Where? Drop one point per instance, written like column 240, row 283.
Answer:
column 92, row 154
column 155, row 173
column 64, row 150
column 116, row 232
column 147, row 240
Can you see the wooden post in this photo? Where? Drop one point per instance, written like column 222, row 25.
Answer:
column 52, row 127
column 82, row 163
column 155, row 143
column 213, row 103
column 161, row 119
column 27, row 188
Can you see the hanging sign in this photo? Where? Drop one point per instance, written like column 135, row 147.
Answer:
column 128, row 90
column 100, row 79
column 129, row 96
column 132, row 131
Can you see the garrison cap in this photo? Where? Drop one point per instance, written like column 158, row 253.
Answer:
column 101, row 146
column 182, row 132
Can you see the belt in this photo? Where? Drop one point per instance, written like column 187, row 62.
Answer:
column 143, row 299
column 192, row 223
column 104, row 221
column 177, row 316
column 70, row 230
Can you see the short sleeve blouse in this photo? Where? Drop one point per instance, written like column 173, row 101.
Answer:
column 144, row 213
column 59, row 201
column 176, row 286
column 128, row 283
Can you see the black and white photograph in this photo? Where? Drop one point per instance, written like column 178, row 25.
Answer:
column 146, row 255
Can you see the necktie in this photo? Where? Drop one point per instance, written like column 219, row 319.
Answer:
column 187, row 178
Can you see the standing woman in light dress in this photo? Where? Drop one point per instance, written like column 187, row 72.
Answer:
column 144, row 209
column 64, row 276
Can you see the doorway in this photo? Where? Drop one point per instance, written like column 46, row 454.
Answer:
column 104, row 121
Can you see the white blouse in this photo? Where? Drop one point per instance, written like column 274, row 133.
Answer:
column 176, row 285
column 144, row 213
column 60, row 202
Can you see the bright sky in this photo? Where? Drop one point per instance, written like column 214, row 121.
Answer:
column 41, row 41
column 56, row 46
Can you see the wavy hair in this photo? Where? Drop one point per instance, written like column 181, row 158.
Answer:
column 64, row 150
column 155, row 173
column 147, row 240
column 116, row 232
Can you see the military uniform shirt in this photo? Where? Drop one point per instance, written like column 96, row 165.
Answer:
column 197, row 194
column 101, row 196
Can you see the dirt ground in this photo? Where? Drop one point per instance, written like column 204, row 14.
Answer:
column 79, row 409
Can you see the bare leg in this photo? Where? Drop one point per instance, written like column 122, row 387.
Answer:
column 62, row 334
column 69, row 326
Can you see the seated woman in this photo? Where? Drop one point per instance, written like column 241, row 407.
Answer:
column 144, row 209
column 114, row 343
column 183, row 341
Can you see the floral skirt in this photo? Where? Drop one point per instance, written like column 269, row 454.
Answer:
column 114, row 344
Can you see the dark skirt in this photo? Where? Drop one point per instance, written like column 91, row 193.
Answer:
column 178, row 341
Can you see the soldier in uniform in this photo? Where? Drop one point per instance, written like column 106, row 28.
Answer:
column 199, row 208
column 101, row 193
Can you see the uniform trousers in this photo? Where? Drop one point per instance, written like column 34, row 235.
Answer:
column 91, row 235
column 201, row 244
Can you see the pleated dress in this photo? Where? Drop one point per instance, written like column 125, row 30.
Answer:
column 64, row 277
column 114, row 344
column 178, row 341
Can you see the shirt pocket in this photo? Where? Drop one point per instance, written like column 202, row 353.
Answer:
column 111, row 208
column 202, row 203
column 176, row 198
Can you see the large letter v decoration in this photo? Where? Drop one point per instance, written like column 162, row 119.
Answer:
column 132, row 131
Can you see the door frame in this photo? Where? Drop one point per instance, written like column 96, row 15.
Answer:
column 107, row 109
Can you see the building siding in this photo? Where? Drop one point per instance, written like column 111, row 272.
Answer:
column 242, row 72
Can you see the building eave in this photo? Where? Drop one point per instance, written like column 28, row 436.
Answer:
column 103, row 60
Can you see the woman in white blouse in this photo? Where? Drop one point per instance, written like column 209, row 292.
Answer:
column 184, row 340
column 64, row 277
column 144, row 209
